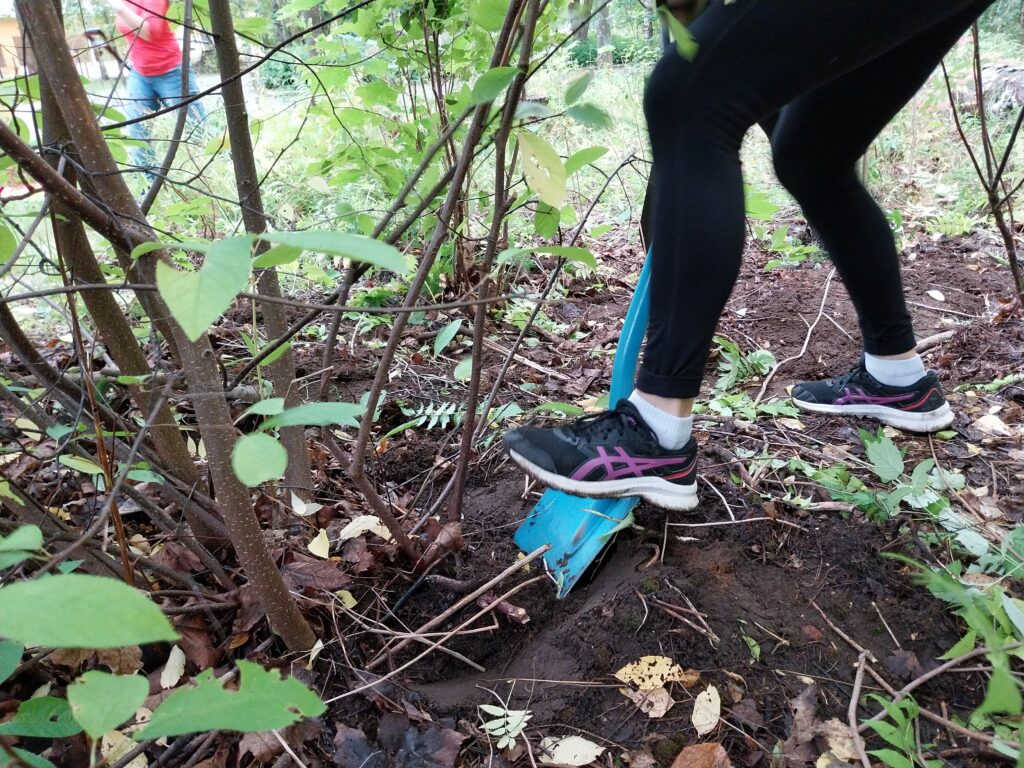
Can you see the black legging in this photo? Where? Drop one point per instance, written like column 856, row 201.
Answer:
column 823, row 77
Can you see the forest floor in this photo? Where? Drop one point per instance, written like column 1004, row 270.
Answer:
column 756, row 584
column 771, row 612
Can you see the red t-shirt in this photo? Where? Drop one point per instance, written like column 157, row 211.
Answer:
column 161, row 52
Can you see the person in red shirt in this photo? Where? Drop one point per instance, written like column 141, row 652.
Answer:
column 154, row 77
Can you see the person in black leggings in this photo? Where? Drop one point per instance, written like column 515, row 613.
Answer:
column 822, row 77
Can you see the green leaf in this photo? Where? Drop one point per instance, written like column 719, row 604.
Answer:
column 19, row 546
column 885, row 457
column 8, row 243
column 79, row 611
column 686, row 45
column 275, row 355
column 464, row 369
column 590, row 115
column 7, row 493
column 892, row 758
column 488, row 14
column 577, row 87
column 445, row 335
column 491, row 83
column 197, row 299
column 100, row 701
column 543, row 169
column 946, row 434
column 35, row 761
column 277, row 256
column 44, row 717
column 546, row 220
column 263, row 702
column 269, row 407
column 570, row 253
column 1002, row 696
column 964, row 645
column 566, row 408
column 317, row 415
column 10, row 658
column 584, row 157
column 343, row 244
column 257, row 458
column 200, row 246
column 79, row 464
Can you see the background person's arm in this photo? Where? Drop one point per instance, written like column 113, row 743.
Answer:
column 136, row 17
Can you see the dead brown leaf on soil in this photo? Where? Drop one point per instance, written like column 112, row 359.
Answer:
column 702, row 756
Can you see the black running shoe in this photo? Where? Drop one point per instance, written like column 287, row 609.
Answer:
column 612, row 454
column 921, row 407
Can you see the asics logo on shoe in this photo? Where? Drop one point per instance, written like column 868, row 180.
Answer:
column 851, row 397
column 621, row 464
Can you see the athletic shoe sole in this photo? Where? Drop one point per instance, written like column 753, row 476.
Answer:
column 660, row 493
column 923, row 421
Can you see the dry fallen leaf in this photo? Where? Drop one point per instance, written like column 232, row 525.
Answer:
column 937, row 295
column 993, row 425
column 702, row 756
column 320, row 545
column 115, row 745
column 654, row 703
column 839, row 739
column 364, row 524
column 304, row 508
column 639, row 759
column 346, row 598
column 707, row 709
column 650, row 672
column 569, row 750
column 173, row 669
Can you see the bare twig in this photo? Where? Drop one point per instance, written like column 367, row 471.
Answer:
column 851, row 712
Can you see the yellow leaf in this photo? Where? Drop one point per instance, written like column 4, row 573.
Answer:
column 346, row 599
column 650, row 672
column 320, row 545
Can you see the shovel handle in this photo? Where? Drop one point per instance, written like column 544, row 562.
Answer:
column 633, row 329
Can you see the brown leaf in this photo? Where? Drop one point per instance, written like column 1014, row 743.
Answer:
column 178, row 558
column 354, row 551
column 904, row 665
column 446, row 538
column 352, row 750
column 121, row 661
column 702, row 756
column 309, row 572
column 805, row 711
column 263, row 747
column 811, row 632
column 746, row 713
column 196, row 641
column 250, row 612
column 72, row 658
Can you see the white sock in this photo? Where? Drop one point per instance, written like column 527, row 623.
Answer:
column 673, row 432
column 895, row 373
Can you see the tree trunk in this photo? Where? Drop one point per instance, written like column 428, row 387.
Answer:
column 298, row 476
column 579, row 14
column 648, row 26
column 603, row 28
column 129, row 228
column 73, row 245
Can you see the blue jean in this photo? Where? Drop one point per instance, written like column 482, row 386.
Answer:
column 149, row 93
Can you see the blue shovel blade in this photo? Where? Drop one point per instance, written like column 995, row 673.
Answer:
column 577, row 528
